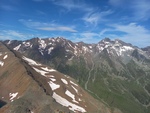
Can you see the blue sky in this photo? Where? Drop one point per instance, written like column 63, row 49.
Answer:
column 78, row 20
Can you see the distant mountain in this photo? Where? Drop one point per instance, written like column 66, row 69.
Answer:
column 147, row 49
column 27, row 86
column 114, row 72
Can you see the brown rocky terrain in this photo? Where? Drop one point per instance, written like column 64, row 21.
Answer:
column 30, row 87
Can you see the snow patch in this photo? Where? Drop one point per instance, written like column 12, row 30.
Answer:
column 12, row 96
column 85, row 48
column 71, row 58
column 30, row 61
column 68, row 93
column 5, row 57
column 42, row 44
column 66, row 103
column 48, row 70
column 70, row 45
column 1, row 63
column 64, row 81
column 128, row 48
column 9, row 42
column 51, row 76
column 119, row 50
column 40, row 71
column 53, row 85
column 53, row 79
column 74, row 89
column 50, row 50
column 73, row 83
column 90, row 47
column 76, row 51
column 67, row 50
column 17, row 47
column 27, row 44
column 79, row 99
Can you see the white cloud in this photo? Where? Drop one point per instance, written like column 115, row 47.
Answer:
column 47, row 26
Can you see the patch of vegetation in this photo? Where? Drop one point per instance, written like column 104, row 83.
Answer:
column 147, row 87
column 5, row 74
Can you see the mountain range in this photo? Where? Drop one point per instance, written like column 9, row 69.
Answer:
column 115, row 73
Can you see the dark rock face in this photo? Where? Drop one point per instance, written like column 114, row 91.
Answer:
column 2, row 103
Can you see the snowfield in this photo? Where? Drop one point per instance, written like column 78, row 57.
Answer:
column 48, row 70
column 5, row 57
column 30, row 61
column 73, row 83
column 12, row 96
column 1, row 63
column 68, row 93
column 74, row 89
column 17, row 47
column 64, row 81
column 66, row 103
column 53, row 85
column 40, row 71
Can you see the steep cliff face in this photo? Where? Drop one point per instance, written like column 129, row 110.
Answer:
column 30, row 87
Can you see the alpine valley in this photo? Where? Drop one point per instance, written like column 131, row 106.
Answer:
column 56, row 75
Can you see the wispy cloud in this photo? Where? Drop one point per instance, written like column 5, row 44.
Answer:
column 38, row 0
column 116, row 3
column 90, row 15
column 87, row 37
column 12, row 34
column 72, row 4
column 94, row 18
column 7, row 7
column 141, row 9
column 132, row 33
column 47, row 26
column 57, row 28
column 40, row 12
column 89, row 34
